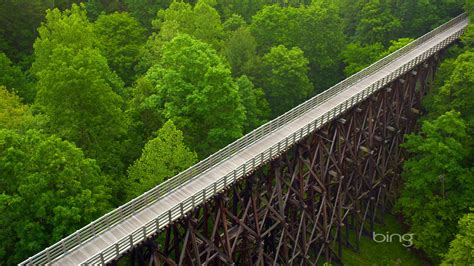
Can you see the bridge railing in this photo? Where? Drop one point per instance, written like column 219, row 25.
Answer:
column 110, row 219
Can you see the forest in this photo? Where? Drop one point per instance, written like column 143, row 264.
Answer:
column 101, row 100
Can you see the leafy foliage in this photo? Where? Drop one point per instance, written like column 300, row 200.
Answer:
column 438, row 185
column 194, row 88
column 256, row 106
column 284, row 78
column 13, row 114
column 457, row 93
column 233, row 23
column 145, row 11
column 357, row 57
column 240, row 52
column 461, row 251
column 120, row 40
column 376, row 24
column 19, row 20
column 14, row 79
column 75, row 87
column 163, row 157
column 201, row 22
column 47, row 190
column 295, row 27
column 395, row 45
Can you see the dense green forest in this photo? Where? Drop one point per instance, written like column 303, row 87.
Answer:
column 102, row 100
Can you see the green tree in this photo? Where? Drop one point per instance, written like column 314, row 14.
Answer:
column 357, row 57
column 13, row 114
column 75, row 87
column 194, row 88
column 349, row 11
column 95, row 8
column 256, row 106
column 461, row 250
column 284, row 78
column 144, row 107
column 201, row 22
column 240, row 52
column 271, row 26
column 377, row 24
column 48, row 189
column 295, row 27
column 121, row 38
column 145, row 11
column 438, row 184
column 469, row 7
column 419, row 17
column 395, row 45
column 18, row 22
column 145, row 116
column 468, row 37
column 233, row 23
column 163, row 157
column 457, row 93
column 244, row 8
column 15, row 79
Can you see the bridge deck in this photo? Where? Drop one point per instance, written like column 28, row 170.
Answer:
column 124, row 228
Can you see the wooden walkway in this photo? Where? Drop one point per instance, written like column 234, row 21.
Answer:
column 104, row 240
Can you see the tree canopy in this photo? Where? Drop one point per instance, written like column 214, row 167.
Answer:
column 13, row 113
column 120, row 39
column 461, row 250
column 76, row 87
column 47, row 190
column 284, row 78
column 295, row 27
column 438, row 186
column 164, row 156
column 194, row 88
column 14, row 79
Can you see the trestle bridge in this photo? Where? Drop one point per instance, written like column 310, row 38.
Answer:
column 291, row 192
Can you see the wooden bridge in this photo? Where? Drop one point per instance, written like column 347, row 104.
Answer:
column 293, row 191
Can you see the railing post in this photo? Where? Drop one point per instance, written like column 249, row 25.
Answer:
column 48, row 255
column 117, row 251
column 63, row 246
column 157, row 222
column 78, row 236
column 146, row 198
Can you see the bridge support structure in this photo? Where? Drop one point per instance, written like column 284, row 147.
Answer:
column 324, row 193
